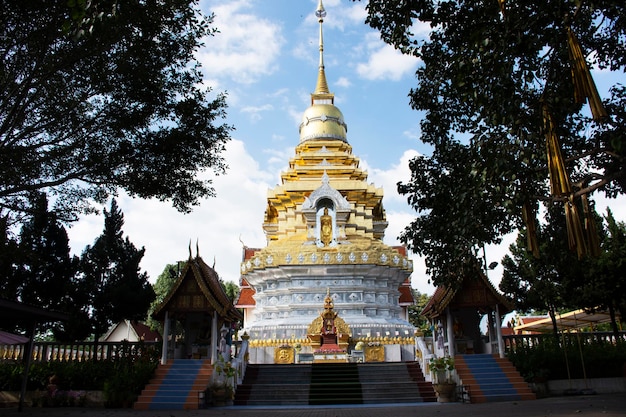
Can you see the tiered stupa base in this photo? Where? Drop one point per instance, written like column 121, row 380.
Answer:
column 330, row 338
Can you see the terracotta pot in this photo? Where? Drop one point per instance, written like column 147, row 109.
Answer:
column 445, row 392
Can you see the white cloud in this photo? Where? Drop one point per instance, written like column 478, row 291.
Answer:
column 399, row 213
column 278, row 138
column 388, row 178
column 386, row 63
column 245, row 49
column 217, row 224
column 279, row 159
column 398, row 221
column 343, row 82
column 295, row 114
column 255, row 111
column 413, row 133
column 342, row 15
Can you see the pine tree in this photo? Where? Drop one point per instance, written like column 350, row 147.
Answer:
column 553, row 281
column 8, row 255
column 118, row 289
column 604, row 288
column 46, row 268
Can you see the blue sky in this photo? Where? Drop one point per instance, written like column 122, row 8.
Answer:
column 265, row 57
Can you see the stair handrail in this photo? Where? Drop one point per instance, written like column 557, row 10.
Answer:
column 240, row 362
column 424, row 356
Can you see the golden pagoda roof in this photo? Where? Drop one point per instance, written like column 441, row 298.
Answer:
column 322, row 120
column 324, row 169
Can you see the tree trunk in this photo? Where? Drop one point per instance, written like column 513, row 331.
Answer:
column 555, row 328
column 613, row 320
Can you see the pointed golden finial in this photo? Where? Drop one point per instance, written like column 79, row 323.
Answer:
column 321, row 86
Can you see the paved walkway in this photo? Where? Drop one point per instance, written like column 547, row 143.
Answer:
column 604, row 405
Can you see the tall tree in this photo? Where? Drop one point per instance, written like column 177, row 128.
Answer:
column 415, row 318
column 43, row 273
column 46, row 268
column 118, row 289
column 161, row 287
column 105, row 95
column 605, row 287
column 555, row 280
column 231, row 289
column 499, row 81
column 8, row 255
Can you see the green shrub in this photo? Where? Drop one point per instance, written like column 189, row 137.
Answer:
column 74, row 375
column 569, row 357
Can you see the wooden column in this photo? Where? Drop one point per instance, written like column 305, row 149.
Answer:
column 450, row 333
column 499, row 332
column 166, row 334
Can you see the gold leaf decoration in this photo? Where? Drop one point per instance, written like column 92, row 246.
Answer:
column 528, row 214
column 559, row 180
column 584, row 86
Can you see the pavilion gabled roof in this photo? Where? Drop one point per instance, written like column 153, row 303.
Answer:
column 139, row 331
column 470, row 292
column 198, row 289
column 406, row 295
column 245, row 299
column 26, row 313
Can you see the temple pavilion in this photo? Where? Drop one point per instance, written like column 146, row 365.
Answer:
column 325, row 225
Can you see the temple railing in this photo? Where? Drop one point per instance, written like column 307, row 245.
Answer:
column 79, row 351
column 424, row 353
column 523, row 341
column 240, row 362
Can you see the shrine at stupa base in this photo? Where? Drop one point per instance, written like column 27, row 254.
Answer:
column 324, row 226
column 328, row 338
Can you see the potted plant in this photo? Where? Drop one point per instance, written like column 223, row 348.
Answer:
column 221, row 393
column 444, row 386
column 221, row 389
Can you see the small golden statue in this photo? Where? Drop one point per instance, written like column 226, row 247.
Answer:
column 326, row 228
column 328, row 326
column 329, row 315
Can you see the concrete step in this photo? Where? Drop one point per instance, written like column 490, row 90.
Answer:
column 176, row 386
column 488, row 379
column 334, row 384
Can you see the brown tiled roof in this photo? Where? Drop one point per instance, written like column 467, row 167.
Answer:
column 507, row 331
column 206, row 281
column 245, row 298
column 406, row 296
column 530, row 319
column 145, row 333
column 248, row 253
column 401, row 250
column 479, row 293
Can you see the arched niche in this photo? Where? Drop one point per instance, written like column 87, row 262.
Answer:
column 327, row 197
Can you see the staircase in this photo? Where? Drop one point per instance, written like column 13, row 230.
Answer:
column 274, row 385
column 334, row 383
column 425, row 388
column 396, row 382
column 489, row 378
column 175, row 386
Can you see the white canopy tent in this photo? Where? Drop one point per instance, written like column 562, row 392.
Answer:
column 567, row 321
